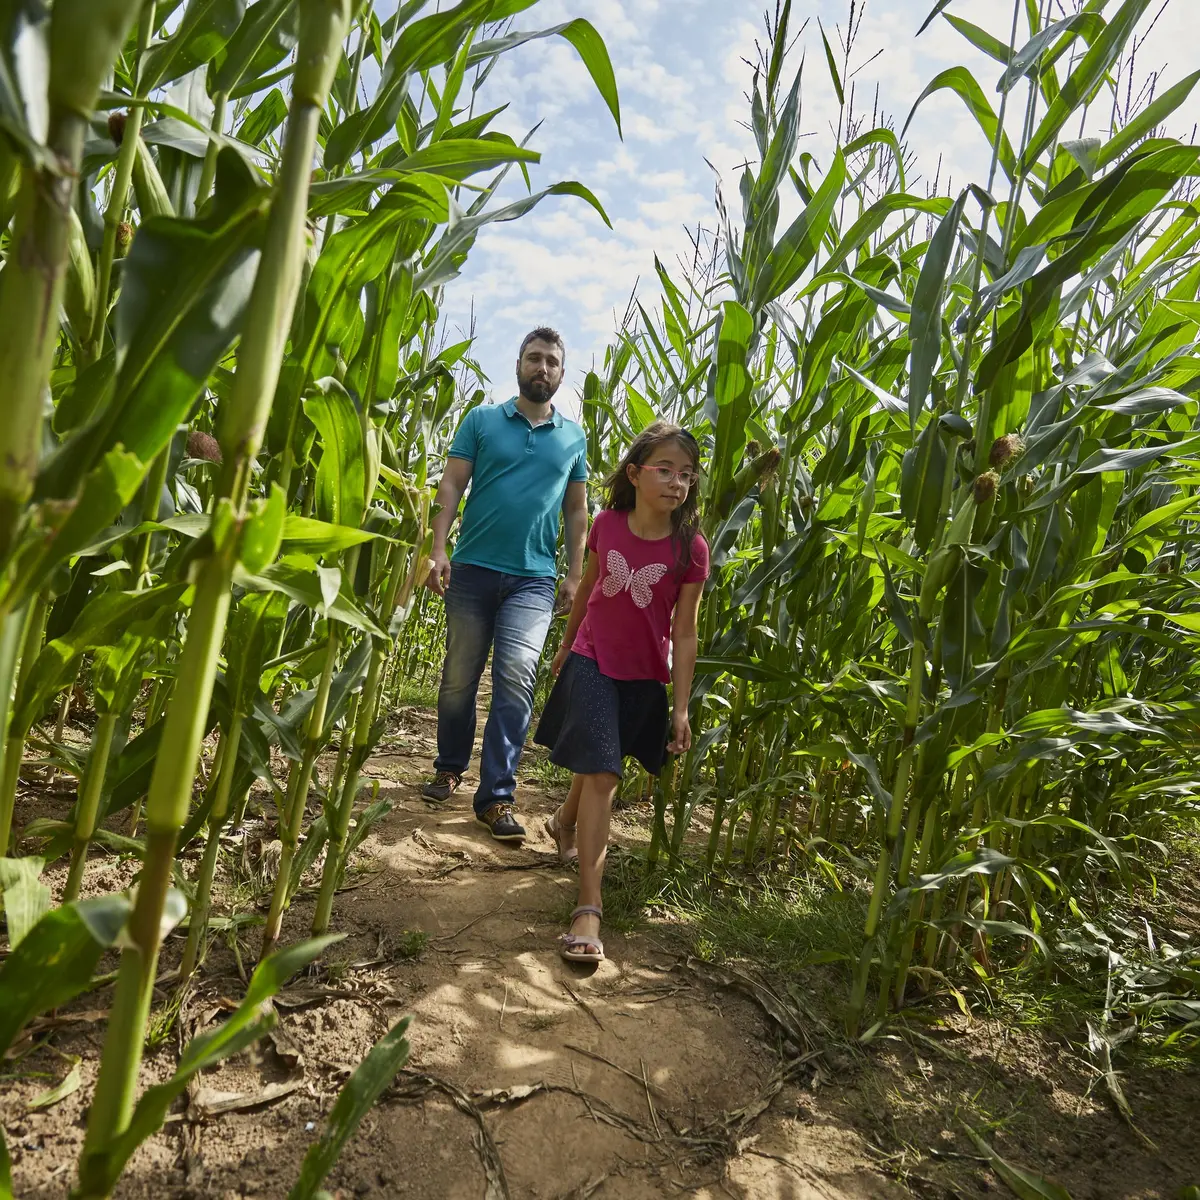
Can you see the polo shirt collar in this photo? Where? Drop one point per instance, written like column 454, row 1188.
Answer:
column 511, row 410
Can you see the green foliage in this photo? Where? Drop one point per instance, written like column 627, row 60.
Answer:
column 26, row 898
column 227, row 496
column 949, row 646
column 55, row 960
column 354, row 1101
column 101, row 1166
column 947, row 649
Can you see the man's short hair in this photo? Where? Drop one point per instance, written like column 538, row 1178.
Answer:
column 543, row 333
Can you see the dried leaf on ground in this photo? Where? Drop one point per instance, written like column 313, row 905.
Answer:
column 784, row 1014
column 208, row 1102
column 70, row 1084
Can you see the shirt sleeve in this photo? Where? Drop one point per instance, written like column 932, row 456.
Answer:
column 466, row 440
column 698, row 571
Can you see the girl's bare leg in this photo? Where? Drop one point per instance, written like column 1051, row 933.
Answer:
column 568, row 812
column 593, row 810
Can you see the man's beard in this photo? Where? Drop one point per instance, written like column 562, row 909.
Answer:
column 540, row 391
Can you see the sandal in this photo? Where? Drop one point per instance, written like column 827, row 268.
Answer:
column 575, row 946
column 557, row 832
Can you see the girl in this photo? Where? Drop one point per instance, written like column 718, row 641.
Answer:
column 610, row 699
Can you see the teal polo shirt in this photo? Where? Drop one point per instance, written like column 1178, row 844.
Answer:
column 518, row 483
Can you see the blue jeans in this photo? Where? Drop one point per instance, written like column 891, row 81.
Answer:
column 510, row 614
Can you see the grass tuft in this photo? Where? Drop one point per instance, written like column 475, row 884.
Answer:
column 417, row 693
column 411, row 943
column 725, row 919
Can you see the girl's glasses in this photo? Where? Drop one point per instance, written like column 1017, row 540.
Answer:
column 664, row 475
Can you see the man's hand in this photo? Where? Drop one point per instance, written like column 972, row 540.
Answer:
column 566, row 594
column 681, row 733
column 439, row 572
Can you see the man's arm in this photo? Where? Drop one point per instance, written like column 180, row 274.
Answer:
column 575, row 522
column 455, row 477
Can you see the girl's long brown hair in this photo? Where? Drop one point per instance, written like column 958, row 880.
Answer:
column 621, row 496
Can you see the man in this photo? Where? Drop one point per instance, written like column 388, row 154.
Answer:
column 526, row 463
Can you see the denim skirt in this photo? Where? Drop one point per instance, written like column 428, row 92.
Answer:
column 592, row 723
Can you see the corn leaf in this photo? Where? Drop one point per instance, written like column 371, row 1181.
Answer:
column 266, row 35
column 310, row 536
column 1088, row 25
column 833, row 71
column 939, row 7
column 293, row 717
column 875, row 217
column 423, row 44
column 102, row 622
column 55, row 960
column 1147, row 120
column 202, row 33
column 1131, row 459
column 730, row 383
column 451, row 251
column 992, row 46
column 102, row 1166
column 587, row 42
column 26, row 898
column 24, row 51
column 186, row 286
column 106, row 490
column 354, row 1101
column 925, row 324
column 961, row 628
column 1090, row 73
column 341, row 477
column 963, row 84
column 264, row 118
column 1020, row 1182
column 798, row 246
column 303, row 584
column 459, row 158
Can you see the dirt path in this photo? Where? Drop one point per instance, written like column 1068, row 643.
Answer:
column 638, row 1079
column 528, row 1077
column 655, row 1075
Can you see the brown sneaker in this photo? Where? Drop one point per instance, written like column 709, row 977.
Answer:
column 441, row 787
column 501, row 819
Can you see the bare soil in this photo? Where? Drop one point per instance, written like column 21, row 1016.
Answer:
column 655, row 1075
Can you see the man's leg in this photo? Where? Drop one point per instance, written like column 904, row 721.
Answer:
column 520, row 635
column 470, row 619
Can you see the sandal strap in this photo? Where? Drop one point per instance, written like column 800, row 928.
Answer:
column 572, row 940
column 587, row 910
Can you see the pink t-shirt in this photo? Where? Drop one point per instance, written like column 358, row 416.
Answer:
column 627, row 627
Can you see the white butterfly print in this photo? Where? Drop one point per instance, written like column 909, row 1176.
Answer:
column 638, row 583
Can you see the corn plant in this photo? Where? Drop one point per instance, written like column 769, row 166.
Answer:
column 950, row 491
column 215, row 528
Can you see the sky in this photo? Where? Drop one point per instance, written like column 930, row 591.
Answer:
column 682, row 72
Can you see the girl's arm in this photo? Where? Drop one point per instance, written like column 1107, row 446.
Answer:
column 683, row 663
column 578, row 611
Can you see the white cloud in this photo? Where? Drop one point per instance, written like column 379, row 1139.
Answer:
column 641, row 128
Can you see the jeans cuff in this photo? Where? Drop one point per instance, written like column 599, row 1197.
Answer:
column 481, row 806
